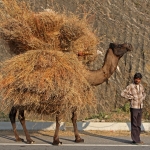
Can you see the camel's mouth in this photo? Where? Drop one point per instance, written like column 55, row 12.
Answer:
column 129, row 47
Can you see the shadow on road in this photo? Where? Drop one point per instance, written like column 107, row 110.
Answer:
column 116, row 139
column 7, row 137
column 68, row 139
column 107, row 137
column 35, row 137
column 45, row 141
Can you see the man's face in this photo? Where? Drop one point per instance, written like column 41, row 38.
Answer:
column 137, row 80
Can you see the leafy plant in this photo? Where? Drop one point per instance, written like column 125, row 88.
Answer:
column 126, row 107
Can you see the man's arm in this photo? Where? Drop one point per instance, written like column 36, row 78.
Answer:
column 126, row 93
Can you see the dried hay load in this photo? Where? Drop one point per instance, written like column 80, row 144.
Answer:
column 26, row 30
column 45, row 82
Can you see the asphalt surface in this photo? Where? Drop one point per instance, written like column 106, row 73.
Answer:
column 95, row 141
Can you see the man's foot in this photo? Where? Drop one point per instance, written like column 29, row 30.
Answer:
column 138, row 143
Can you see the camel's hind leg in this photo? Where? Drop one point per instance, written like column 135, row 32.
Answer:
column 74, row 121
column 56, row 135
column 12, row 117
column 21, row 118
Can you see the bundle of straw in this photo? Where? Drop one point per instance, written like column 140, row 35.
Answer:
column 45, row 82
column 28, row 30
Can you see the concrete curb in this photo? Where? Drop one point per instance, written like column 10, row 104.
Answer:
column 32, row 125
column 103, row 126
column 110, row 126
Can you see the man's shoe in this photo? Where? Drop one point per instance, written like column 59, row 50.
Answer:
column 138, row 143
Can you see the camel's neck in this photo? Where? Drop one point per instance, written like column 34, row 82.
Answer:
column 97, row 77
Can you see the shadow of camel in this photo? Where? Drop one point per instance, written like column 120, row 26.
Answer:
column 104, row 137
column 7, row 137
column 68, row 139
column 45, row 141
column 117, row 139
column 35, row 137
column 83, row 131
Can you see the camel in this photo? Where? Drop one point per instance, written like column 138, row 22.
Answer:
column 94, row 77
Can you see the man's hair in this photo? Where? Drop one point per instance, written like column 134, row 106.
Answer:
column 138, row 75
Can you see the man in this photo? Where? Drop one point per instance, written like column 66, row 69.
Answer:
column 135, row 94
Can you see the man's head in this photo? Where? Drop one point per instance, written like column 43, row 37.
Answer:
column 137, row 78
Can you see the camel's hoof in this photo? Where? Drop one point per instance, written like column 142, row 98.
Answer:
column 56, row 143
column 30, row 142
column 20, row 140
column 79, row 140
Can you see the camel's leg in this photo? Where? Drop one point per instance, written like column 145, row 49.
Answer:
column 12, row 117
column 76, row 133
column 56, row 134
column 21, row 118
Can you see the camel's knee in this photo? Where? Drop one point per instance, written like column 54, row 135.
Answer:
column 21, row 116
column 12, row 114
column 59, row 117
column 74, row 116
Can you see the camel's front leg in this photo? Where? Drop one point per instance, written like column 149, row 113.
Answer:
column 76, row 133
column 56, row 135
column 21, row 118
column 12, row 117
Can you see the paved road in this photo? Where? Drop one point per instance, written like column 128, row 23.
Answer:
column 92, row 141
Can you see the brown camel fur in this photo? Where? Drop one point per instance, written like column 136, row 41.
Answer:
column 113, row 54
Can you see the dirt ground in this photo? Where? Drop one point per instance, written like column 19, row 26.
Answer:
column 71, row 133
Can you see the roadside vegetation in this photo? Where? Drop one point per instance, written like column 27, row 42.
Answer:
column 121, row 114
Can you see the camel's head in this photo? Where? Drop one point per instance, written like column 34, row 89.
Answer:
column 120, row 49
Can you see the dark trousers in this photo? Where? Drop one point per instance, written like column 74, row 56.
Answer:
column 136, row 117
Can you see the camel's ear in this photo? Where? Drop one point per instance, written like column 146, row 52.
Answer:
column 112, row 45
